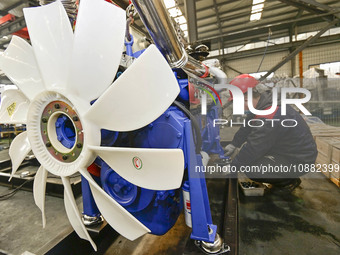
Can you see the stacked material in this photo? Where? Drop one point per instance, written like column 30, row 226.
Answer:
column 7, row 130
column 327, row 139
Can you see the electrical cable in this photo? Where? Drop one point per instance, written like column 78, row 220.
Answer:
column 195, row 125
column 13, row 192
column 265, row 51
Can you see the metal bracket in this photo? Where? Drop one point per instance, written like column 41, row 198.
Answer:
column 202, row 226
column 224, row 249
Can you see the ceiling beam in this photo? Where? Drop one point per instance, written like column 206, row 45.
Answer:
column 238, row 15
column 282, row 24
column 210, row 7
column 276, row 48
column 325, row 7
column 267, row 9
column 268, row 17
column 308, row 42
column 190, row 11
column 310, row 8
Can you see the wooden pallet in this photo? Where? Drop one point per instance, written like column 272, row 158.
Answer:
column 323, row 130
column 327, row 140
column 336, row 181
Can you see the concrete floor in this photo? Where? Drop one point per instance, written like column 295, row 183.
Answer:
column 21, row 226
column 304, row 222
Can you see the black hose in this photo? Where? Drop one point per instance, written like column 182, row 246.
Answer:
column 13, row 192
column 195, row 125
column 127, row 31
column 265, row 51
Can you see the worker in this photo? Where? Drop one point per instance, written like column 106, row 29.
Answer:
column 272, row 144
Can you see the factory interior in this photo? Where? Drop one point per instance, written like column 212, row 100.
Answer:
column 224, row 139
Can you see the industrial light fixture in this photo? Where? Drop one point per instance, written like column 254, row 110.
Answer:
column 177, row 14
column 169, row 3
column 256, row 10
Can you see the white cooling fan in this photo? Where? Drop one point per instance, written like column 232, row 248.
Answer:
column 59, row 75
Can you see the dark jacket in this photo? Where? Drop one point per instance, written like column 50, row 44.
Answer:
column 294, row 143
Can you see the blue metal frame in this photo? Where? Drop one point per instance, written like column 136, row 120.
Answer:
column 129, row 51
column 202, row 227
column 89, row 205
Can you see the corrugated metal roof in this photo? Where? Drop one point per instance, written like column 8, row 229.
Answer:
column 226, row 23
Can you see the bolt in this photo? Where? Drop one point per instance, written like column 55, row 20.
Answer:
column 44, row 120
column 150, row 126
column 57, row 124
column 112, row 179
column 179, row 135
column 57, row 106
column 75, row 118
column 59, row 137
column 65, row 157
column 79, row 145
column 116, row 187
column 167, row 115
column 48, row 144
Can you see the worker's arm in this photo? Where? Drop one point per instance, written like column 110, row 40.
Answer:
column 241, row 135
column 259, row 141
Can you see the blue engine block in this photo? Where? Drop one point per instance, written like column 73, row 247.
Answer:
column 157, row 210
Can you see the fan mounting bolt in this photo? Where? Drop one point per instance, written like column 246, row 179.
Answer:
column 65, row 157
column 79, row 145
column 75, row 118
column 57, row 106
column 48, row 144
column 44, row 120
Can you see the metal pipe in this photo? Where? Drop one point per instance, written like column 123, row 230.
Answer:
column 155, row 17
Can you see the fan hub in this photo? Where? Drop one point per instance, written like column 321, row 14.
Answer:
column 62, row 131
column 56, row 131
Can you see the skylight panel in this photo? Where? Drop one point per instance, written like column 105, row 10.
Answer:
column 256, row 10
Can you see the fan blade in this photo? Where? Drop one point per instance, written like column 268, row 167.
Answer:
column 18, row 150
column 73, row 213
column 156, row 169
column 118, row 218
column 14, row 107
column 19, row 65
column 139, row 96
column 52, row 38
column 39, row 189
column 96, row 19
